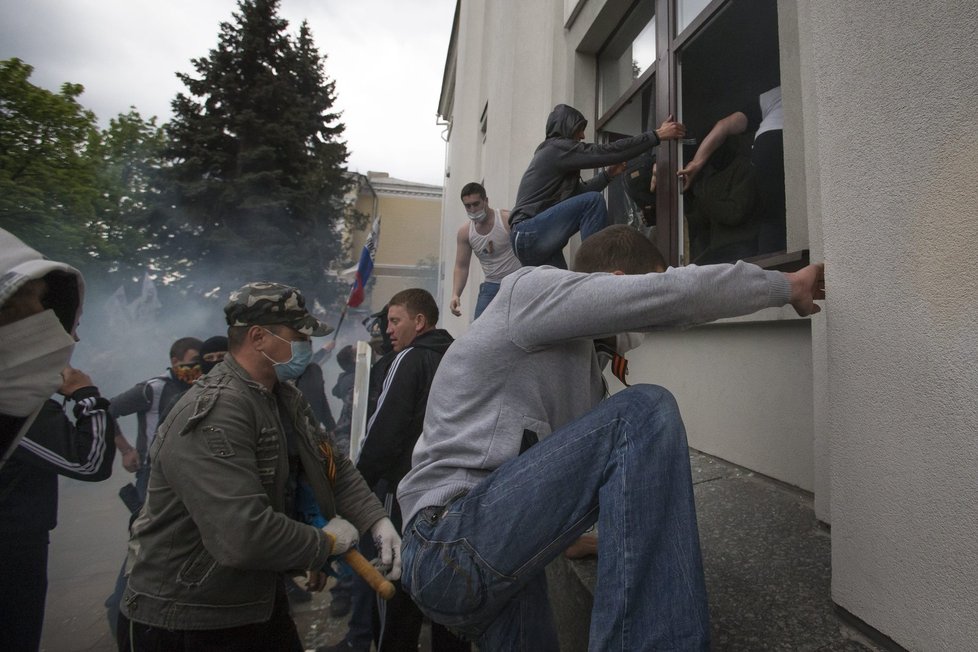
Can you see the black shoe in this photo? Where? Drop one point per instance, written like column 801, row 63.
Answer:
column 339, row 606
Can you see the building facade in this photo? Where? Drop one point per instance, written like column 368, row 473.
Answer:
column 871, row 404
column 409, row 237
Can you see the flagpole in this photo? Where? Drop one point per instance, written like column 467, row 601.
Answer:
column 339, row 324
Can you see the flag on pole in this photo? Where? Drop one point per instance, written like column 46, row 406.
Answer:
column 365, row 267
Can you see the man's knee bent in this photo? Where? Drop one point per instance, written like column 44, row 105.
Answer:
column 651, row 401
column 645, row 394
column 593, row 200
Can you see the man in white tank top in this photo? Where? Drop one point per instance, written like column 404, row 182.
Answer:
column 486, row 234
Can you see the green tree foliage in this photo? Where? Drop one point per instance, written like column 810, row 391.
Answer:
column 48, row 188
column 254, row 165
column 129, row 163
column 73, row 192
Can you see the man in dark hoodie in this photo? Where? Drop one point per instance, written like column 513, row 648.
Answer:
column 553, row 203
column 392, row 431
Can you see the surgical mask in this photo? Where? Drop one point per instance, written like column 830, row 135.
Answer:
column 294, row 366
column 477, row 217
column 33, row 353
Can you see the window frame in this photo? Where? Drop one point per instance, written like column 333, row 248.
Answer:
column 664, row 76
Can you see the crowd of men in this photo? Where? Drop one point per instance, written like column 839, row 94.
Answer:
column 484, row 458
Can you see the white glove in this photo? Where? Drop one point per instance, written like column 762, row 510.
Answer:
column 342, row 535
column 388, row 543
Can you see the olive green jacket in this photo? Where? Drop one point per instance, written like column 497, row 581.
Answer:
column 215, row 533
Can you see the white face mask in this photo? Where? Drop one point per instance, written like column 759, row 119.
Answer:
column 477, row 217
column 33, row 353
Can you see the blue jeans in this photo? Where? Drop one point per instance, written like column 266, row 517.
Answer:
column 487, row 292
column 476, row 565
column 541, row 239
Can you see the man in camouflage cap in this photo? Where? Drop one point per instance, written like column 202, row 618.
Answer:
column 217, row 532
column 264, row 303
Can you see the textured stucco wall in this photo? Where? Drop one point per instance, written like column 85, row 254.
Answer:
column 897, row 125
column 804, row 219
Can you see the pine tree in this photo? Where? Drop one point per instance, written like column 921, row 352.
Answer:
column 255, row 165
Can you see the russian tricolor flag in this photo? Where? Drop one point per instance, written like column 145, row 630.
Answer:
column 365, row 267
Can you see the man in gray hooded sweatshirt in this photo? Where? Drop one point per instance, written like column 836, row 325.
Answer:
column 552, row 203
column 521, row 453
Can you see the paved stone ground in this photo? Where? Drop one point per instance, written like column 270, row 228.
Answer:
column 766, row 561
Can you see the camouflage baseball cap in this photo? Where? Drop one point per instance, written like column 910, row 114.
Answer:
column 263, row 304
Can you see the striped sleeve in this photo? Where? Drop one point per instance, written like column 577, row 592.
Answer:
column 82, row 450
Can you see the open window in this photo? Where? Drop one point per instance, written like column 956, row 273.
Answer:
column 702, row 60
column 734, row 208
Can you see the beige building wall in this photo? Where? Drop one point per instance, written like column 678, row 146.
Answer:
column 870, row 405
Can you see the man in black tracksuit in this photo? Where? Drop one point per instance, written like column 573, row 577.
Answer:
column 552, row 203
column 392, row 431
column 40, row 305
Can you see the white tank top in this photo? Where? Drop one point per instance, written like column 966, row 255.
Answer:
column 494, row 250
column 772, row 114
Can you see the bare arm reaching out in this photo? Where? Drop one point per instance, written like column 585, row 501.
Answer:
column 463, row 256
column 735, row 123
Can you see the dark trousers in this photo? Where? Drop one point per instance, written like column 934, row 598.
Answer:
column 23, row 589
column 767, row 158
column 402, row 627
column 278, row 634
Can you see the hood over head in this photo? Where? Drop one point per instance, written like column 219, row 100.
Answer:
column 565, row 121
column 20, row 264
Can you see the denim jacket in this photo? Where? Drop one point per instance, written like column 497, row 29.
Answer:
column 215, row 532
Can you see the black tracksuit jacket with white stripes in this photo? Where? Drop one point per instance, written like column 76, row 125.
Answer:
column 396, row 422
column 54, row 446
